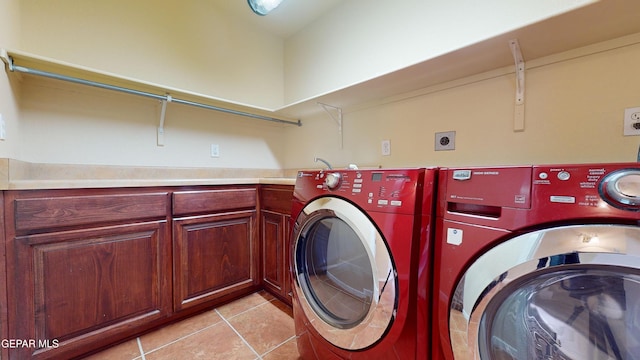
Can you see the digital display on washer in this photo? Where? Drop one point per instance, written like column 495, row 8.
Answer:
column 376, row 176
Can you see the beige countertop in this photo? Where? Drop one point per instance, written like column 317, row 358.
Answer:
column 19, row 175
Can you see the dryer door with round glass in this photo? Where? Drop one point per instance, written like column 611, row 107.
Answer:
column 344, row 274
column 562, row 293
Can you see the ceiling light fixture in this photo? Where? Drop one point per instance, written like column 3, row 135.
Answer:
column 263, row 7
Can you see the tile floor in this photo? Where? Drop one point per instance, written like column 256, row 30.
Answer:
column 257, row 326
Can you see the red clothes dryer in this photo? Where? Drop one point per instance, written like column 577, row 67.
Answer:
column 360, row 282
column 538, row 262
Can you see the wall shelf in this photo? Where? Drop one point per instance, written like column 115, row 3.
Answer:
column 559, row 38
column 21, row 62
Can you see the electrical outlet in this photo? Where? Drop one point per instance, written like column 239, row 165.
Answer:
column 445, row 140
column 386, row 147
column 3, row 128
column 632, row 121
column 215, row 150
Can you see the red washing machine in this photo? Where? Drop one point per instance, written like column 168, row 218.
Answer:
column 538, row 262
column 361, row 263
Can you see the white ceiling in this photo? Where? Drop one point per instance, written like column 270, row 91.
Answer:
column 285, row 20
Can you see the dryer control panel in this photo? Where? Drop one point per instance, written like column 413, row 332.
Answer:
column 384, row 190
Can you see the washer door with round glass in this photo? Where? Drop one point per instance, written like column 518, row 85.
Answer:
column 563, row 293
column 344, row 274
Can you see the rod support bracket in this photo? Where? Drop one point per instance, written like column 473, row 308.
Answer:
column 6, row 58
column 163, row 113
column 518, row 123
column 337, row 117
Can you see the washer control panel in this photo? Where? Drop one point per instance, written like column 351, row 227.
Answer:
column 391, row 190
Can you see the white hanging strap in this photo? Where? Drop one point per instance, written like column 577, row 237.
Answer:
column 518, row 122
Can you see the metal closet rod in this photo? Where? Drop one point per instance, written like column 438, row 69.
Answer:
column 167, row 98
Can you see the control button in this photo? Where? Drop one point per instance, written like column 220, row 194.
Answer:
column 564, row 175
column 356, row 190
column 396, row 202
column 543, row 175
column 370, row 201
column 357, row 180
column 562, row 199
column 383, row 202
column 357, row 185
column 370, row 195
column 359, row 175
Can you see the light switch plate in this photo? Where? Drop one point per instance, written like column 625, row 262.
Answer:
column 386, row 147
column 445, row 140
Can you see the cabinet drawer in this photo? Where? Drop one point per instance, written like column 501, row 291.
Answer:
column 277, row 199
column 46, row 213
column 210, row 201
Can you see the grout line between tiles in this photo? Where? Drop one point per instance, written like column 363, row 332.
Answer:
column 142, row 357
column 277, row 346
column 178, row 339
column 249, row 309
column 259, row 357
column 237, row 333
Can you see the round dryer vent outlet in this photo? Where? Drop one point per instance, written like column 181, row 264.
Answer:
column 445, row 141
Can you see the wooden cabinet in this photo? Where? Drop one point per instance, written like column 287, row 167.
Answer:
column 89, row 267
column 275, row 210
column 3, row 283
column 84, row 268
column 215, row 250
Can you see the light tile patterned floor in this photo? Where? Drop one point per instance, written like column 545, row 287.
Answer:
column 257, row 326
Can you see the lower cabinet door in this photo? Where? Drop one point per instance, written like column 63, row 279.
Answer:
column 69, row 292
column 214, row 256
column 275, row 254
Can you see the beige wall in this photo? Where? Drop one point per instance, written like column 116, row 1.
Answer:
column 9, row 35
column 75, row 124
column 574, row 108
column 574, row 113
column 574, row 105
column 188, row 45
